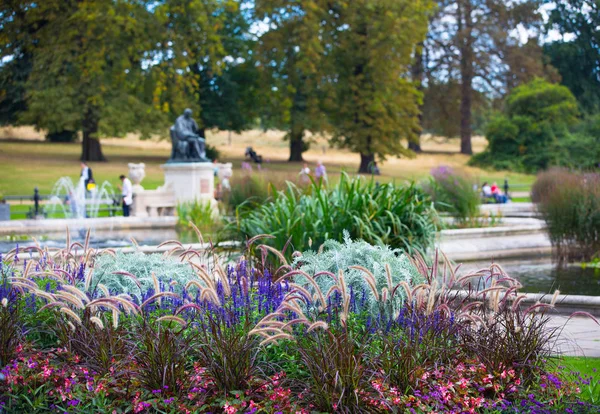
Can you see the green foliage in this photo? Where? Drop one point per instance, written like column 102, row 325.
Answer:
column 229, row 88
column 212, row 153
column 249, row 190
column 334, row 257
column 374, row 107
column 570, row 204
column 441, row 109
column 290, row 57
column 108, row 67
column 401, row 217
column 453, row 192
column 167, row 270
column 578, row 59
column 201, row 213
column 531, row 134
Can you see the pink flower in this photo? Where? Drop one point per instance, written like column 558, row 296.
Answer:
column 229, row 409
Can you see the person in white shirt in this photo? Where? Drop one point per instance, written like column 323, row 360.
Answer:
column 305, row 174
column 486, row 190
column 127, row 194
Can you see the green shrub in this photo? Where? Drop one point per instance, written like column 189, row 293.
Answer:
column 334, row 256
column 401, row 217
column 212, row 153
column 167, row 271
column 570, row 204
column 454, row 193
column 529, row 136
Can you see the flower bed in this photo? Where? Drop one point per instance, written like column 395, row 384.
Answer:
column 262, row 337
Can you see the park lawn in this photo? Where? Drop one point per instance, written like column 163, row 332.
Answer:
column 25, row 164
column 588, row 368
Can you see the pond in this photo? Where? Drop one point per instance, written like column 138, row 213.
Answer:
column 541, row 275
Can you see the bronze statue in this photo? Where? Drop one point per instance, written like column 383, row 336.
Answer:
column 188, row 144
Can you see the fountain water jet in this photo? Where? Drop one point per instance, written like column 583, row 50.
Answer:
column 73, row 201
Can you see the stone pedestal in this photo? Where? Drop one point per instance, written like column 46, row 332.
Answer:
column 190, row 181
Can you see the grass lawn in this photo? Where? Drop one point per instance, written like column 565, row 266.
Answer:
column 588, row 369
column 26, row 161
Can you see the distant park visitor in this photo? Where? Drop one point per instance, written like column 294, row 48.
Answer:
column 126, row 194
column 305, row 174
column 87, row 176
column 188, row 144
column 500, row 197
column 321, row 171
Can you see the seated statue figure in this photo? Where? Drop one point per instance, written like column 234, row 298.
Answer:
column 188, row 145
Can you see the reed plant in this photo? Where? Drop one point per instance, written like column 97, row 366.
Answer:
column 453, row 192
column 569, row 202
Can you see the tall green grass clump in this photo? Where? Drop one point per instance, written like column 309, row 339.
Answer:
column 402, row 217
column 202, row 213
column 453, row 192
column 569, row 202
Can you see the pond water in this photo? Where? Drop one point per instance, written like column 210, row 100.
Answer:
column 98, row 239
column 541, row 275
column 537, row 275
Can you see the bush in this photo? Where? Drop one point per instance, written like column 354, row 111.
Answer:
column 138, row 274
column 570, row 204
column 212, row 153
column 334, row 257
column 529, row 135
column 401, row 217
column 454, row 193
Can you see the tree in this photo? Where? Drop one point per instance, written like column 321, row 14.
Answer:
column 577, row 59
column 290, row 55
column 471, row 40
column 229, row 82
column 375, row 105
column 531, row 133
column 87, row 64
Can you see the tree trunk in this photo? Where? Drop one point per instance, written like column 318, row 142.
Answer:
column 418, row 71
column 296, row 146
column 296, row 135
column 466, row 72
column 367, row 161
column 90, row 146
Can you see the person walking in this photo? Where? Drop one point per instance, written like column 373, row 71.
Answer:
column 321, row 172
column 127, row 194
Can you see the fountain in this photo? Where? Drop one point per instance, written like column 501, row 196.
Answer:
column 73, row 201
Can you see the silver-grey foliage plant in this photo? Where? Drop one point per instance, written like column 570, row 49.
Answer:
column 335, row 256
column 168, row 271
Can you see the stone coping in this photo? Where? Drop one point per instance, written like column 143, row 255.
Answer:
column 565, row 304
column 103, row 223
column 509, row 230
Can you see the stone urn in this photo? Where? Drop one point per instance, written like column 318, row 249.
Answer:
column 137, row 172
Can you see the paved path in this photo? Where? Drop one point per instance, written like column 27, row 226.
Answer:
column 579, row 336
